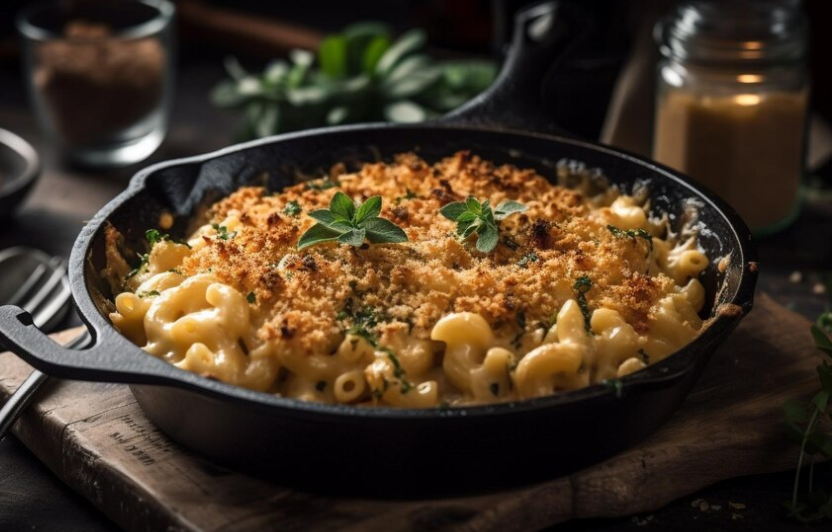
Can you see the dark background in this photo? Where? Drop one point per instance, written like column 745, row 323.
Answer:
column 578, row 98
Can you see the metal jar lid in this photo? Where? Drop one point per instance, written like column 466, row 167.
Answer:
column 735, row 32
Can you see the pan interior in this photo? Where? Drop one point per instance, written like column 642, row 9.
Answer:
column 183, row 188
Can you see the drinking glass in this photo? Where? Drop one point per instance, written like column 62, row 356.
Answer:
column 100, row 76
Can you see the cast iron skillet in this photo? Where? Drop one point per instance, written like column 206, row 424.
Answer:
column 384, row 451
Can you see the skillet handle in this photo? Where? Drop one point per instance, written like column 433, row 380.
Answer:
column 544, row 35
column 110, row 357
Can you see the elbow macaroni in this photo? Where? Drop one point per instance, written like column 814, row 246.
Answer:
column 453, row 342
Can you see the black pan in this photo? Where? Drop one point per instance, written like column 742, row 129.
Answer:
column 384, row 451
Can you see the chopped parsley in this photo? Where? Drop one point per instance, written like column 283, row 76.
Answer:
column 321, row 184
column 526, row 259
column 251, row 298
column 143, row 258
column 222, row 232
column 292, row 208
column 632, row 233
column 150, row 293
column 399, row 372
column 644, row 356
column 615, row 384
column 582, row 286
column 521, row 319
column 176, row 271
column 408, row 196
column 153, row 236
column 495, row 389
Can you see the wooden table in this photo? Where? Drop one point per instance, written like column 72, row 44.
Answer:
column 63, row 199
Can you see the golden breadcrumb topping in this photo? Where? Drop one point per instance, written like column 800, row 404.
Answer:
column 302, row 297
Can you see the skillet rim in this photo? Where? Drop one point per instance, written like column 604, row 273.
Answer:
column 659, row 374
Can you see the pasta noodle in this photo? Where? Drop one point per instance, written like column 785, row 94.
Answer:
column 581, row 288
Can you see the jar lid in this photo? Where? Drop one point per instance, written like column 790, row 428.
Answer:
column 735, row 32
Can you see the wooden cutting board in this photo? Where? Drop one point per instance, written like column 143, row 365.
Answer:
column 95, row 438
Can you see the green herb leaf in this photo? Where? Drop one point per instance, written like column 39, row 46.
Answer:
column 251, row 298
column 369, row 209
column 824, row 321
column 353, row 237
column 488, row 237
column 374, row 52
column 333, row 221
column 383, row 231
column 359, row 76
column 317, row 234
column 342, row 205
column 332, row 56
column 822, row 341
column 803, row 427
column 473, row 205
column 472, row 217
column 507, row 208
column 452, row 211
column 410, row 41
column 351, row 225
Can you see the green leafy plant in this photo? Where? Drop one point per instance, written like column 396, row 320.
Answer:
column 350, row 225
column 472, row 216
column 358, row 75
column 804, row 428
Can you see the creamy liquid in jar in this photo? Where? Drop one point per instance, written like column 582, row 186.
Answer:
column 748, row 148
column 731, row 104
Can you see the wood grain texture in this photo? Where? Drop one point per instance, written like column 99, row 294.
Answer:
column 95, row 437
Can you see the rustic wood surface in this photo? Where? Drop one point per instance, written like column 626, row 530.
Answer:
column 95, row 437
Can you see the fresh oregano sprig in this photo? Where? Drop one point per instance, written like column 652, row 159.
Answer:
column 350, row 225
column 472, row 216
column 803, row 427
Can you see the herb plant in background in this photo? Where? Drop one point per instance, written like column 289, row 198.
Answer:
column 803, row 426
column 358, row 75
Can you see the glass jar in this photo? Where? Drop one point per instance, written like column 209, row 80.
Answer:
column 100, row 76
column 732, row 100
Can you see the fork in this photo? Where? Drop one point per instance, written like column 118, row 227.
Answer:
column 37, row 295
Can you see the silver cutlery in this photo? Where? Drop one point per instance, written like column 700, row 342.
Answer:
column 38, row 284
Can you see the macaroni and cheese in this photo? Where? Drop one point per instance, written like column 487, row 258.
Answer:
column 583, row 287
